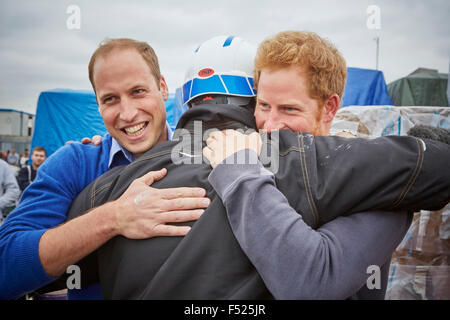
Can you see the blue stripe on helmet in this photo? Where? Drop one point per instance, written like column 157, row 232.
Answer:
column 186, row 91
column 237, row 85
column 208, row 85
column 228, row 41
column 232, row 85
column 250, row 80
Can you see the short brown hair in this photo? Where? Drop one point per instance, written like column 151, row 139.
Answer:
column 144, row 49
column 39, row 148
column 323, row 64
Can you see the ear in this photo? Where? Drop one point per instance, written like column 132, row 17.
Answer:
column 164, row 88
column 330, row 108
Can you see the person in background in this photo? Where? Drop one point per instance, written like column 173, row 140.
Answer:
column 24, row 158
column 9, row 190
column 27, row 173
column 13, row 158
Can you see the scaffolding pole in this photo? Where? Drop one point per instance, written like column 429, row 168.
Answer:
column 377, row 40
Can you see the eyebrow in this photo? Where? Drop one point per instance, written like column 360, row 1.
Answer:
column 139, row 86
column 108, row 94
column 296, row 104
column 258, row 99
column 284, row 104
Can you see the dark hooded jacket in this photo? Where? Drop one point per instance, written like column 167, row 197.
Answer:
column 322, row 178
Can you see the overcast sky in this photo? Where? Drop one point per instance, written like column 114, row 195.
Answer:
column 39, row 52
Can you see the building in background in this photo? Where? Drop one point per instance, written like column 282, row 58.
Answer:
column 16, row 130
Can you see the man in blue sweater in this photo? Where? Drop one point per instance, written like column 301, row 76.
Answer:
column 36, row 247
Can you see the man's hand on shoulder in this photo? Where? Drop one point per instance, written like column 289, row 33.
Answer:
column 95, row 140
column 142, row 211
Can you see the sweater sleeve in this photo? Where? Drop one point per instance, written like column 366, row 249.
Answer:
column 295, row 261
column 43, row 205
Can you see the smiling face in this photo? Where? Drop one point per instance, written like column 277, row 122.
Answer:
column 130, row 100
column 283, row 102
column 300, row 79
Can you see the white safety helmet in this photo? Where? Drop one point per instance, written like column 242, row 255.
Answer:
column 222, row 65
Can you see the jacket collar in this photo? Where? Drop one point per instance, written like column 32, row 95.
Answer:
column 220, row 116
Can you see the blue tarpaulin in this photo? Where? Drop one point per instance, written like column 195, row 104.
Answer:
column 365, row 87
column 64, row 115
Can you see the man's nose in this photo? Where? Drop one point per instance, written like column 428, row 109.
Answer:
column 128, row 110
column 273, row 122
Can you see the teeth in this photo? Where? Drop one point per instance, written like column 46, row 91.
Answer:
column 135, row 130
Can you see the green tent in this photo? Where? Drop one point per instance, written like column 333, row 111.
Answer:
column 423, row 87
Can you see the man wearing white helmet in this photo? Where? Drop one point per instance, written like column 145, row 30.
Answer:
column 208, row 263
column 220, row 66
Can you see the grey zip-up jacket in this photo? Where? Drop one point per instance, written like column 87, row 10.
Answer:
column 9, row 189
column 322, row 178
column 335, row 261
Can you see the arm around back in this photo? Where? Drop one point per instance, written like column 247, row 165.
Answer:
column 295, row 261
